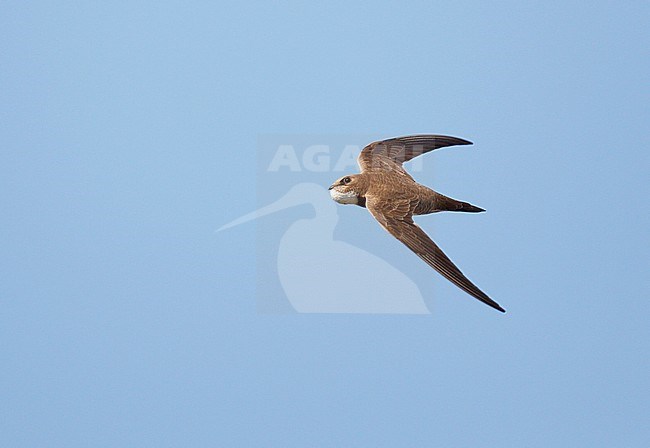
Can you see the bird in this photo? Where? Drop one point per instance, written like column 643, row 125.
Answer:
column 393, row 197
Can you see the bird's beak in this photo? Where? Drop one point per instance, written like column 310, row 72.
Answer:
column 331, row 186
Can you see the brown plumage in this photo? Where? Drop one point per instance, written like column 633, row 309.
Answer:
column 392, row 197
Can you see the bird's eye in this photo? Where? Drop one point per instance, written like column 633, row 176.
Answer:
column 347, row 180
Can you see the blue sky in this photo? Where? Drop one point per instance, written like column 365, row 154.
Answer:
column 129, row 133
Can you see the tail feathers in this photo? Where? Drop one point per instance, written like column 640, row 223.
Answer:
column 452, row 205
column 465, row 207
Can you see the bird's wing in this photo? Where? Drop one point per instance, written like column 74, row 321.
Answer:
column 395, row 217
column 388, row 155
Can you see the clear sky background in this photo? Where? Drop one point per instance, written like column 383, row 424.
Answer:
column 128, row 134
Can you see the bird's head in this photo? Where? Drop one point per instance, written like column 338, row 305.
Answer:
column 346, row 190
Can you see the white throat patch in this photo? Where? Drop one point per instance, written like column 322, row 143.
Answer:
column 349, row 197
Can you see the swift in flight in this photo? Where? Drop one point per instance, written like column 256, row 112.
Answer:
column 392, row 197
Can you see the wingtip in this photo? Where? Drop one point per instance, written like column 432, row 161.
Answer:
column 494, row 305
column 497, row 307
column 457, row 141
